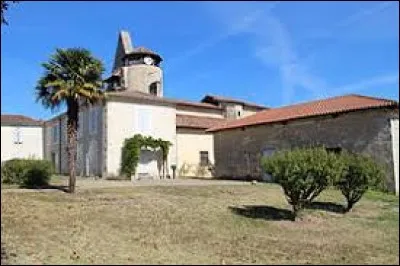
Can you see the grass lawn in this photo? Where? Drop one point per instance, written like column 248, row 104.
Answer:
column 189, row 225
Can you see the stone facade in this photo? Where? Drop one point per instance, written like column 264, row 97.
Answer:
column 140, row 77
column 89, row 142
column 238, row 151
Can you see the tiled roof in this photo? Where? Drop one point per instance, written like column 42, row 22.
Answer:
column 19, row 120
column 145, row 96
column 333, row 105
column 145, row 51
column 214, row 99
column 190, row 121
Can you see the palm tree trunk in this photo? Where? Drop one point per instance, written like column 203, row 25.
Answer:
column 72, row 128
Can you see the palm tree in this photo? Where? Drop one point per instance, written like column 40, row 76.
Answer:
column 72, row 78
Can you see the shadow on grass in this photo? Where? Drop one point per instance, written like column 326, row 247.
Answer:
column 263, row 212
column 57, row 187
column 326, row 206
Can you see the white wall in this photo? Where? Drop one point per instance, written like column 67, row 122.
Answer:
column 395, row 145
column 31, row 138
column 125, row 119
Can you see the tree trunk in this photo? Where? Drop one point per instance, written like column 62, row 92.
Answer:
column 349, row 206
column 163, row 169
column 72, row 128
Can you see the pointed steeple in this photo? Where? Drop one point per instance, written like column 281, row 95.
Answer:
column 124, row 46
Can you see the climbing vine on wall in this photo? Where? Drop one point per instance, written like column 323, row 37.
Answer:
column 131, row 152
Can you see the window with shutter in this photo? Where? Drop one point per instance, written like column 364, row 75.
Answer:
column 204, row 158
column 17, row 136
column 144, row 121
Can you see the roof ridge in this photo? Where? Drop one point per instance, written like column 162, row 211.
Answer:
column 200, row 116
column 239, row 100
column 371, row 97
column 329, row 99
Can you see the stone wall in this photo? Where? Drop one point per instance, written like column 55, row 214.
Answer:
column 139, row 78
column 89, row 142
column 238, row 151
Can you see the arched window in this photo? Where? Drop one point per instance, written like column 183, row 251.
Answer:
column 153, row 88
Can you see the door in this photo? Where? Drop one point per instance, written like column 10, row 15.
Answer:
column 147, row 167
column 53, row 161
column 395, row 145
column 266, row 152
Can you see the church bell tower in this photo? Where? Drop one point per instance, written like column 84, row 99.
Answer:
column 135, row 68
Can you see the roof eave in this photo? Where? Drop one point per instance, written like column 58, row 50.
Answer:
column 218, row 129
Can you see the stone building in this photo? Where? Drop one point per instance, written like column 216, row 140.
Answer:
column 217, row 136
column 356, row 123
column 136, row 104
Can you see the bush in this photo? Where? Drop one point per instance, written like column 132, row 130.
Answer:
column 359, row 174
column 26, row 172
column 303, row 173
column 12, row 171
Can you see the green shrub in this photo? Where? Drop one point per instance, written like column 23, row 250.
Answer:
column 26, row 172
column 359, row 174
column 12, row 171
column 303, row 173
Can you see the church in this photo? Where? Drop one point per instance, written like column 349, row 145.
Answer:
column 215, row 137
column 136, row 105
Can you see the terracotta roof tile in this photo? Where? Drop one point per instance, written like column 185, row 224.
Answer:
column 333, row 105
column 190, row 121
column 19, row 120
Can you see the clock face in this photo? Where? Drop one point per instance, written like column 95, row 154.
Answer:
column 148, row 60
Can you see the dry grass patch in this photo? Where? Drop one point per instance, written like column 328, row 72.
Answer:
column 194, row 225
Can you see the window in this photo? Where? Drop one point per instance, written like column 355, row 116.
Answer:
column 238, row 113
column 17, row 136
column 80, row 125
column 93, row 120
column 268, row 151
column 204, row 158
column 144, row 121
column 153, row 88
column 336, row 150
column 64, row 130
column 55, row 133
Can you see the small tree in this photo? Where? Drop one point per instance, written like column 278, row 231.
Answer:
column 359, row 173
column 303, row 173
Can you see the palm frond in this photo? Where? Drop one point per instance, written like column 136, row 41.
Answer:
column 70, row 74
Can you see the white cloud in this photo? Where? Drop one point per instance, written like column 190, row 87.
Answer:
column 365, row 84
column 276, row 49
column 274, row 46
column 239, row 25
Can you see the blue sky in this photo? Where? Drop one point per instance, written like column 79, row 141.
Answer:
column 271, row 53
